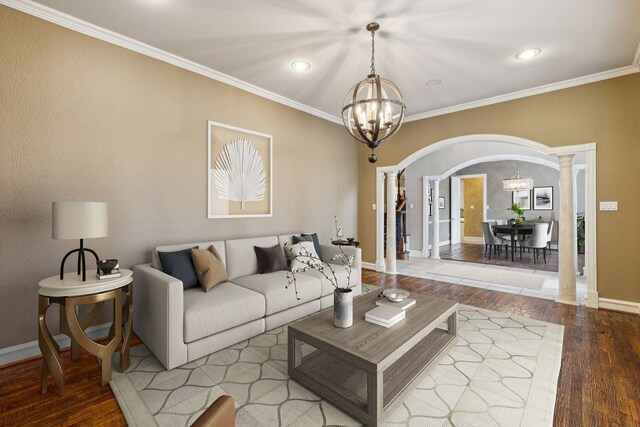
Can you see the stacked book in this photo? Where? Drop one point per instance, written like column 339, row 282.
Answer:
column 109, row 273
column 384, row 315
column 405, row 304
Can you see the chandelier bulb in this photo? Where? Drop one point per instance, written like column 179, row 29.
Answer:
column 373, row 158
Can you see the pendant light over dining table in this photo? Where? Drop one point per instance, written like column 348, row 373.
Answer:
column 517, row 182
column 373, row 109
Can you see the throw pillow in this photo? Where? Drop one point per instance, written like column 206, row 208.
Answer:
column 209, row 267
column 298, row 239
column 179, row 265
column 303, row 254
column 316, row 243
column 270, row 259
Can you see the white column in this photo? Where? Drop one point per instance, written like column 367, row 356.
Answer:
column 590, row 230
column 435, row 220
column 425, row 217
column 391, row 221
column 567, row 233
column 380, row 263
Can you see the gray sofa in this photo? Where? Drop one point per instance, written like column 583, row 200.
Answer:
column 179, row 325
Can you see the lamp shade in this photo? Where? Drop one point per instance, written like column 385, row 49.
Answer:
column 79, row 220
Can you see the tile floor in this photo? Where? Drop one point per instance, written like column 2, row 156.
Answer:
column 417, row 267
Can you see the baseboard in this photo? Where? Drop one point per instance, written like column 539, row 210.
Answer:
column 475, row 240
column 619, row 305
column 31, row 349
column 415, row 253
column 368, row 265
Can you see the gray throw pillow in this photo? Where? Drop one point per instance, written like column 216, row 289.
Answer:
column 316, row 243
column 179, row 265
column 270, row 259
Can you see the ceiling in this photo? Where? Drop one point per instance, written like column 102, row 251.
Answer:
column 470, row 45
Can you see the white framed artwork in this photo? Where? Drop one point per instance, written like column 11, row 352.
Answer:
column 239, row 172
column 523, row 198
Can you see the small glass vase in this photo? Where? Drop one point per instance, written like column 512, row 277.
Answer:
column 342, row 308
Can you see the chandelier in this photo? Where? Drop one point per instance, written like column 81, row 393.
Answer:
column 373, row 109
column 517, row 183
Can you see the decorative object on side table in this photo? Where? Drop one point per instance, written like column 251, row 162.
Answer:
column 302, row 257
column 108, row 269
column 79, row 220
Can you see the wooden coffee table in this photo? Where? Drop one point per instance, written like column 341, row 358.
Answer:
column 368, row 370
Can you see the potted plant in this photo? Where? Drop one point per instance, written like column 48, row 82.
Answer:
column 517, row 212
column 580, row 235
column 342, row 295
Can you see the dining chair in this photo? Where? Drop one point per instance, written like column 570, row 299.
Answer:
column 537, row 241
column 501, row 222
column 549, row 232
column 492, row 241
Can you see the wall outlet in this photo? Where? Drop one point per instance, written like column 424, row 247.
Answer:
column 472, row 207
column 609, row 206
column 373, row 206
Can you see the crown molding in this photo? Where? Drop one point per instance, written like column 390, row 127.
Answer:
column 51, row 15
column 636, row 58
column 604, row 75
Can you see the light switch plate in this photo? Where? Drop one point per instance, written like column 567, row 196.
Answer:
column 410, row 205
column 609, row 206
column 373, row 206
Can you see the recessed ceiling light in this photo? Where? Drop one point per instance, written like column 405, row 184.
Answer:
column 528, row 54
column 300, row 65
column 434, row 82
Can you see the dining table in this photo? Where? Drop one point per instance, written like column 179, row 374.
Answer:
column 513, row 231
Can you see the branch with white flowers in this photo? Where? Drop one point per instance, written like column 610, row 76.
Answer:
column 310, row 261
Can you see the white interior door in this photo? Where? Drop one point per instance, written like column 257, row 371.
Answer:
column 455, row 210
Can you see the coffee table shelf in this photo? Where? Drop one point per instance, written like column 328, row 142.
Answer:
column 368, row 370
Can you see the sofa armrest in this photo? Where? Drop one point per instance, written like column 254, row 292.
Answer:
column 329, row 251
column 158, row 314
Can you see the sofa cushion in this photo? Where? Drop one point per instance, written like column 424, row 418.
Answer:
column 277, row 297
column 209, row 267
column 241, row 258
column 270, row 259
column 179, row 265
column 341, row 275
column 223, row 307
column 155, row 259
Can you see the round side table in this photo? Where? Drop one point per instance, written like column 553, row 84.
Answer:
column 70, row 293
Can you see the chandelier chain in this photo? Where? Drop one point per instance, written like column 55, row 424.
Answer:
column 373, row 50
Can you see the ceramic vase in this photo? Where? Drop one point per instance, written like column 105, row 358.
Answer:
column 342, row 308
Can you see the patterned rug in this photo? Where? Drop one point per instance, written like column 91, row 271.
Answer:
column 503, row 371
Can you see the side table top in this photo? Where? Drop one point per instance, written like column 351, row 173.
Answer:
column 73, row 286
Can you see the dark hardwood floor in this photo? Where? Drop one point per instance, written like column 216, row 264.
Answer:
column 599, row 382
column 470, row 252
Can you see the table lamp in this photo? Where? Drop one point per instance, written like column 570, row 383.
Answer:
column 79, row 220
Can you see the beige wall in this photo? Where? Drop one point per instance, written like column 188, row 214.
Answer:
column 81, row 119
column 473, row 196
column 607, row 113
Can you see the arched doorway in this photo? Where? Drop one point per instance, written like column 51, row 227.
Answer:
column 386, row 176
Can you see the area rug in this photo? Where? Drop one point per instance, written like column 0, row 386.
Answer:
column 503, row 371
column 488, row 274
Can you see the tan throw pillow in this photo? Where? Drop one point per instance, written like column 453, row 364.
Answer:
column 209, row 267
